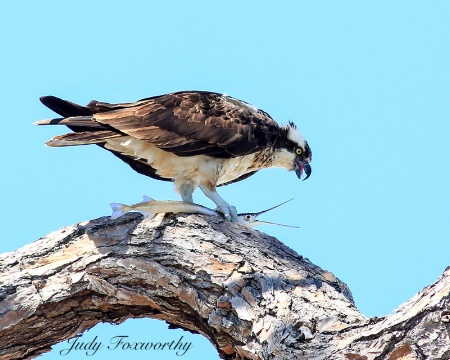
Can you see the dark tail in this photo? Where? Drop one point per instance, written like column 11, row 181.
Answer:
column 65, row 108
column 77, row 118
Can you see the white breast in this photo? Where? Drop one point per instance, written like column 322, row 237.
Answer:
column 166, row 164
column 236, row 167
column 199, row 169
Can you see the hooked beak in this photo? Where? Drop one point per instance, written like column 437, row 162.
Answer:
column 300, row 166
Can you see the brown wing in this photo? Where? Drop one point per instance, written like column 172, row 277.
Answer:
column 185, row 123
column 191, row 123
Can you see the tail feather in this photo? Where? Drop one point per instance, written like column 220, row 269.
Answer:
column 79, row 119
column 82, row 138
column 86, row 121
column 65, row 108
column 118, row 210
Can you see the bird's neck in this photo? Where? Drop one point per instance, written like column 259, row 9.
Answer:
column 274, row 158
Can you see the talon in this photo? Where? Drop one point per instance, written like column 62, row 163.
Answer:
column 228, row 212
column 233, row 213
column 223, row 211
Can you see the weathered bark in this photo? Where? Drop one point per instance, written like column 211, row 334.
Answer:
column 250, row 295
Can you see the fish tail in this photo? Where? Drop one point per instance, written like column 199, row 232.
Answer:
column 118, row 210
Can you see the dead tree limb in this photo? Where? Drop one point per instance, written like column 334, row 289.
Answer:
column 250, row 295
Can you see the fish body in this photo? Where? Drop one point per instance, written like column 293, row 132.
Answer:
column 150, row 207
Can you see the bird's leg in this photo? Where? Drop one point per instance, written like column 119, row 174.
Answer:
column 186, row 191
column 223, row 207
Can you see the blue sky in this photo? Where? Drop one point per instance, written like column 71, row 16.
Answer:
column 367, row 82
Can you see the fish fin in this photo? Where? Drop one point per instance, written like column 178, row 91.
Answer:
column 117, row 209
column 146, row 198
column 148, row 215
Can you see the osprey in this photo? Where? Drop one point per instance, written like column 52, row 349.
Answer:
column 193, row 138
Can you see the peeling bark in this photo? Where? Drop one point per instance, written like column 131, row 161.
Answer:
column 249, row 294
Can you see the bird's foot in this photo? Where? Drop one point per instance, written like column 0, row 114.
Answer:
column 228, row 211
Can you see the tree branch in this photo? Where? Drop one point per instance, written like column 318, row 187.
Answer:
column 249, row 294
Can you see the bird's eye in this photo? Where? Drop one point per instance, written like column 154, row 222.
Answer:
column 248, row 217
column 298, row 151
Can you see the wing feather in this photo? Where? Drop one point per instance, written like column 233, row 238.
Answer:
column 203, row 120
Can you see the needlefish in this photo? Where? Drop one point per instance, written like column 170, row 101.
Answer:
column 150, row 207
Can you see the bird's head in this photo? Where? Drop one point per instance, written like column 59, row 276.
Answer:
column 302, row 152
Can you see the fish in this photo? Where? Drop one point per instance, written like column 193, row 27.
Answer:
column 149, row 207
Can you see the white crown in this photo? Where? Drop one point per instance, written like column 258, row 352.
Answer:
column 295, row 135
